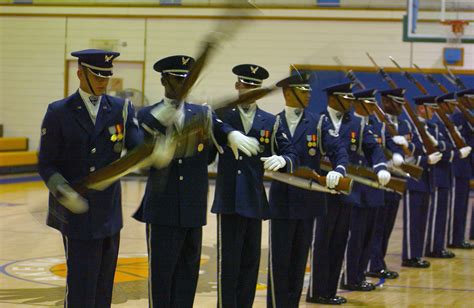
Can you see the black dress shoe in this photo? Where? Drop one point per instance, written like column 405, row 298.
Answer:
column 416, row 262
column 383, row 274
column 336, row 300
column 463, row 245
column 342, row 299
column 443, row 254
column 361, row 286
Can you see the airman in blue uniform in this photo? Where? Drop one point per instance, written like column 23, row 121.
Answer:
column 174, row 206
column 331, row 231
column 461, row 172
column 240, row 200
column 292, row 209
column 369, row 200
column 435, row 246
column 392, row 103
column 80, row 134
column 417, row 197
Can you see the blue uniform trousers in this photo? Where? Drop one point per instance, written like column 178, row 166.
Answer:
column 238, row 246
column 289, row 246
column 91, row 268
column 437, row 221
column 471, row 235
column 458, row 210
column 173, row 265
column 385, row 221
column 328, row 247
column 415, row 216
column 357, row 255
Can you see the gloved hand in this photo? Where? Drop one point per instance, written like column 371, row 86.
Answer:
column 465, row 151
column 163, row 153
column 434, row 158
column 397, row 159
column 332, row 179
column 383, row 177
column 238, row 141
column 433, row 139
column 71, row 200
column 165, row 114
column 400, row 140
column 273, row 163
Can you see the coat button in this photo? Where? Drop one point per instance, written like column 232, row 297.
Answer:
column 180, row 161
column 239, row 172
column 93, row 150
column 181, row 177
column 92, row 169
column 240, row 157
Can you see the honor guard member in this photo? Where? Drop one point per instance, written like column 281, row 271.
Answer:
column 292, row 209
column 461, row 172
column 435, row 246
column 417, row 197
column 80, row 134
column 240, row 200
column 392, row 104
column 331, row 231
column 367, row 201
column 174, row 206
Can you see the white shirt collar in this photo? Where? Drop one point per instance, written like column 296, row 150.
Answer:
column 91, row 108
column 247, row 117
column 293, row 114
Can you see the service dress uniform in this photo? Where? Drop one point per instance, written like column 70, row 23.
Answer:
column 387, row 214
column 80, row 134
column 437, row 226
column 462, row 172
column 293, row 209
column 368, row 202
column 417, row 198
column 174, row 206
column 331, row 231
column 240, row 200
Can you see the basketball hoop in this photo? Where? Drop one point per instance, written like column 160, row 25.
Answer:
column 457, row 26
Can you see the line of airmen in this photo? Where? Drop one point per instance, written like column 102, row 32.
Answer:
column 89, row 130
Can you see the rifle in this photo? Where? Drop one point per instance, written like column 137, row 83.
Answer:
column 344, row 185
column 420, row 128
column 367, row 177
column 457, row 139
column 411, row 170
column 455, row 80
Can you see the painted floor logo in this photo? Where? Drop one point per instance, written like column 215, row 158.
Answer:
column 48, row 278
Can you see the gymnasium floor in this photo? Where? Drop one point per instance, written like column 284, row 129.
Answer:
column 32, row 267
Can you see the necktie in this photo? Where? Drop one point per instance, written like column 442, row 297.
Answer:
column 338, row 115
column 94, row 99
column 297, row 112
column 245, row 108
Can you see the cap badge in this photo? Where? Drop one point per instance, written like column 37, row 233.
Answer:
column 254, row 69
column 185, row 60
column 108, row 58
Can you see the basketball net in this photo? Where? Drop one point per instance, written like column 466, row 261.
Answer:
column 454, row 33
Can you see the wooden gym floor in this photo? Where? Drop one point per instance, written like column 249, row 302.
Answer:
column 32, row 267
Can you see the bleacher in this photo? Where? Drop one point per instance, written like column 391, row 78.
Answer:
column 15, row 156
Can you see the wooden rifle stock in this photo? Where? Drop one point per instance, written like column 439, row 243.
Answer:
column 391, row 130
column 457, row 139
column 429, row 146
column 466, row 113
column 345, row 183
column 395, row 184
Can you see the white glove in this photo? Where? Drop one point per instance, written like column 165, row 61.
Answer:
column 238, row 141
column 384, row 177
column 71, row 200
column 433, row 139
column 397, row 159
column 273, row 163
column 163, row 152
column 165, row 114
column 400, row 140
column 465, row 151
column 434, row 158
column 332, row 179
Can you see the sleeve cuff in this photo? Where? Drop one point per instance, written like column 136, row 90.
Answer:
column 380, row 166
